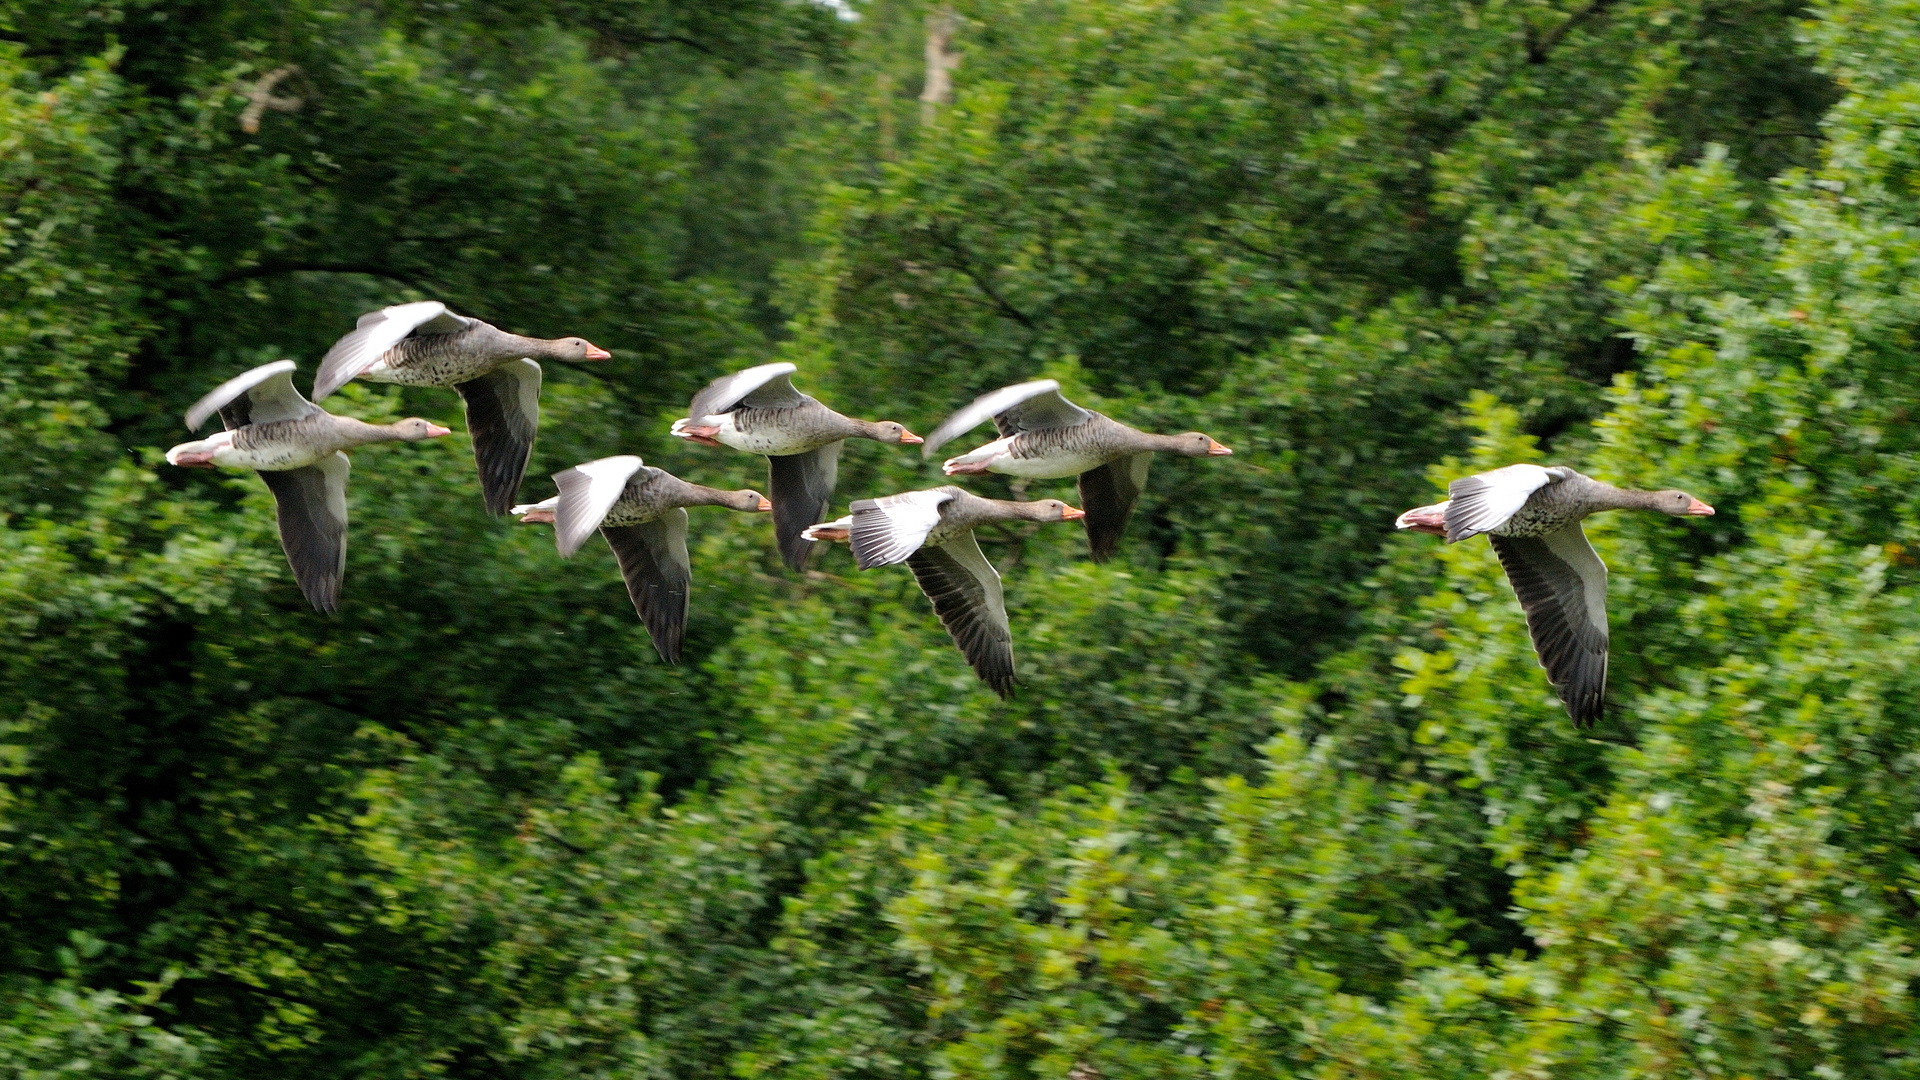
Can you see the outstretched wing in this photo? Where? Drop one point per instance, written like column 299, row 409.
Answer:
column 312, row 509
column 1486, row 500
column 374, row 334
column 1025, row 407
column 1562, row 586
column 587, row 492
column 888, row 529
column 763, row 387
column 653, row 560
column 503, row 416
column 260, row 396
column 800, row 486
column 1107, row 494
column 965, row 591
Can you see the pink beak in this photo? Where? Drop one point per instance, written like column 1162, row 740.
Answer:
column 765, row 504
column 537, row 517
column 434, row 431
column 1214, row 449
column 1696, row 508
column 1072, row 513
column 595, row 352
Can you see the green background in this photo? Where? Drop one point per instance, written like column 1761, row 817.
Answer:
column 1283, row 794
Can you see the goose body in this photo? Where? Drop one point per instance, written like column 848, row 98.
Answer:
column 932, row 532
column 297, row 448
column 1532, row 515
column 495, row 373
column 1044, row 436
column 641, row 511
column 759, row 411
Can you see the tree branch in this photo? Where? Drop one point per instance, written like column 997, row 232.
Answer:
column 273, row 269
column 965, row 266
column 1537, row 50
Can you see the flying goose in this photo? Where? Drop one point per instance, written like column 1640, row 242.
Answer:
column 759, row 411
column 424, row 344
column 296, row 447
column 1045, row 436
column 1532, row 516
column 641, row 511
column 932, row 532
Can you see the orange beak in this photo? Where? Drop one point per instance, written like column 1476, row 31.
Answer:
column 434, row 431
column 1072, row 513
column 595, row 352
column 766, row 504
column 908, row 438
column 1214, row 449
column 1696, row 508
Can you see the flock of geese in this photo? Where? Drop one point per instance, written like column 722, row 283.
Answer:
column 1531, row 513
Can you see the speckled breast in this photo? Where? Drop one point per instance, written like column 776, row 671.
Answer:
column 1542, row 514
column 275, row 447
column 1048, row 453
column 435, row 360
column 772, row 431
column 639, row 504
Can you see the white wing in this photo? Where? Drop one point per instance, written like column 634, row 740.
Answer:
column 1057, row 412
column 259, row 396
column 373, row 335
column 727, row 391
column 1486, row 500
column 887, row 530
column 587, row 492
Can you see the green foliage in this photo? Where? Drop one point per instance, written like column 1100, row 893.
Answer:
column 1282, row 794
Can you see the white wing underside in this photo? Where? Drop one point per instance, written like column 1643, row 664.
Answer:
column 989, row 405
column 374, row 334
column 728, row 391
column 1486, row 500
column 587, row 492
column 887, row 530
column 270, row 396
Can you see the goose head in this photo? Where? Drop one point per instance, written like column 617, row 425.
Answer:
column 1679, row 504
column 748, row 502
column 574, row 348
column 414, row 429
column 1198, row 444
column 887, row 431
column 1054, row 510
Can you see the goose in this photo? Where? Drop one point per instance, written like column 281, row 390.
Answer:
column 641, row 512
column 758, row 410
column 296, row 447
column 1044, row 436
column 424, row 344
column 1531, row 514
column 932, row 532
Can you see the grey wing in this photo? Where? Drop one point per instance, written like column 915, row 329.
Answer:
column 765, row 387
column 1107, row 494
column 1562, row 586
column 503, row 415
column 374, row 334
column 965, row 591
column 312, row 510
column 259, row 396
column 800, row 487
column 653, row 560
column 1023, row 407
